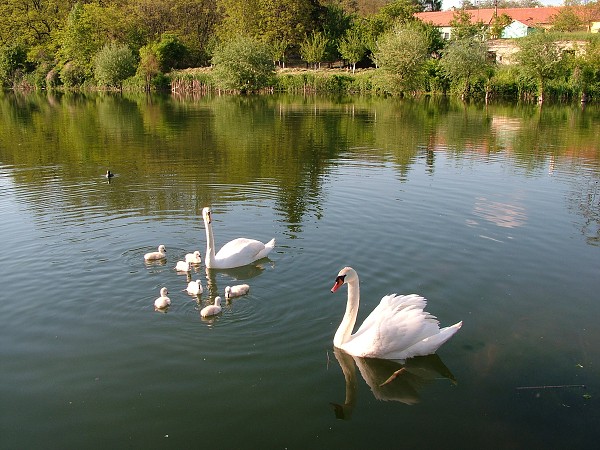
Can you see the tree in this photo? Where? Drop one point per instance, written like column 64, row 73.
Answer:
column 431, row 5
column 32, row 22
column 334, row 22
column 171, row 52
column 567, row 20
column 149, row 65
column 498, row 24
column 243, row 64
column 312, row 49
column 238, row 15
column 402, row 53
column 465, row 61
column 12, row 62
column 79, row 42
column 462, row 27
column 113, row 64
column 352, row 47
column 540, row 58
column 279, row 48
column 586, row 71
column 284, row 20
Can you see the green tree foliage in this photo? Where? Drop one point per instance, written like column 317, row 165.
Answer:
column 586, row 73
column 32, row 22
column 171, row 52
column 334, row 23
column 279, row 48
column 435, row 41
column 268, row 20
column 402, row 53
column 113, row 64
column 79, row 41
column 243, row 64
column 194, row 21
column 567, row 20
column 498, row 24
column 12, row 62
column 431, row 5
column 238, row 16
column 285, row 20
column 462, row 27
column 375, row 25
column 352, row 47
column 313, row 48
column 149, row 65
column 464, row 61
column 540, row 58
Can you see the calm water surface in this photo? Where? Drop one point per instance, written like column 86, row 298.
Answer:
column 493, row 214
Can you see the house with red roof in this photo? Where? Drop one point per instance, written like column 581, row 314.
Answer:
column 524, row 20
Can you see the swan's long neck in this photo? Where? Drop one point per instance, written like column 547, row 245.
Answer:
column 209, row 258
column 344, row 331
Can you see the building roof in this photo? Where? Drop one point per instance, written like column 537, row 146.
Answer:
column 528, row 16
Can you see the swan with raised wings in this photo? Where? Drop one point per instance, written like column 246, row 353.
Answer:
column 236, row 253
column 398, row 328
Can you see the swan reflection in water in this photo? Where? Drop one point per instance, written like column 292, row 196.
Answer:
column 389, row 380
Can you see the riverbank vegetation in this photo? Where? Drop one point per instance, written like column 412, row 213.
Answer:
column 349, row 46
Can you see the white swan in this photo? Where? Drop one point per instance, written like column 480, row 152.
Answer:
column 194, row 287
column 236, row 253
column 398, row 328
column 163, row 301
column 236, row 291
column 160, row 254
column 193, row 258
column 212, row 310
column 183, row 266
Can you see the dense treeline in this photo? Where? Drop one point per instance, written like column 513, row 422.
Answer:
column 145, row 44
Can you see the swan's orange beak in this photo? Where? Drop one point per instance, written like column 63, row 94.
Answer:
column 338, row 282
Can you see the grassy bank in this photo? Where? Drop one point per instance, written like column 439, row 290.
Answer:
column 506, row 83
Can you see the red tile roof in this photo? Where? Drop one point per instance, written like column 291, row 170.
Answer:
column 528, row 16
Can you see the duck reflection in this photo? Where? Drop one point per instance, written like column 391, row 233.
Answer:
column 389, row 380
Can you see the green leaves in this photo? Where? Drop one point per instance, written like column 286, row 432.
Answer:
column 313, row 48
column 243, row 64
column 464, row 61
column 352, row 47
column 113, row 64
column 402, row 53
column 540, row 58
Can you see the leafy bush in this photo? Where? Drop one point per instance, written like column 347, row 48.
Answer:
column 113, row 64
column 243, row 64
column 72, row 75
column 171, row 52
column 12, row 63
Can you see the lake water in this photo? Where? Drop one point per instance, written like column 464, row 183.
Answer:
column 491, row 213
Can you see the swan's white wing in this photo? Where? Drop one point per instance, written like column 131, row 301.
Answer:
column 394, row 326
column 241, row 248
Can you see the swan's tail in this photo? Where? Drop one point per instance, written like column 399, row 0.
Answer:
column 445, row 334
